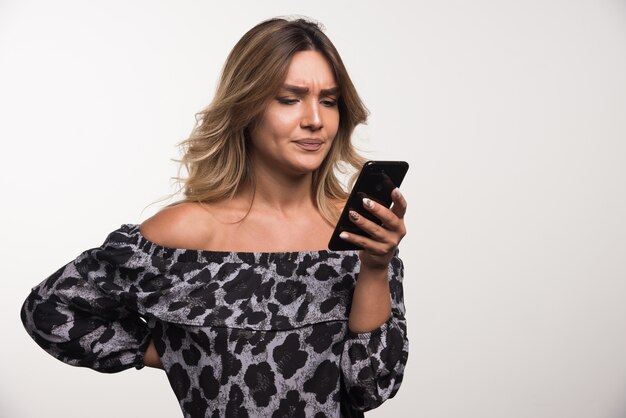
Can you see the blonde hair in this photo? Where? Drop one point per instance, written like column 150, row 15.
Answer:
column 216, row 153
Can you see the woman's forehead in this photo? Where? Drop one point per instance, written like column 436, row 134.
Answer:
column 310, row 69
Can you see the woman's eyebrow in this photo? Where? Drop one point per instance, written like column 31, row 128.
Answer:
column 304, row 90
column 329, row 92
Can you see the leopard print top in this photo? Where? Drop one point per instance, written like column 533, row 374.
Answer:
column 239, row 334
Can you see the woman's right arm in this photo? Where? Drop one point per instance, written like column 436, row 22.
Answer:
column 151, row 357
column 78, row 322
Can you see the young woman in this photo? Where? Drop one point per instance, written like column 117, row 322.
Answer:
column 230, row 290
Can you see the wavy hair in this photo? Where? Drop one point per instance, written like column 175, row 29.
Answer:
column 216, row 153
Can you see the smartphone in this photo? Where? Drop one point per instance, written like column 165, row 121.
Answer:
column 376, row 181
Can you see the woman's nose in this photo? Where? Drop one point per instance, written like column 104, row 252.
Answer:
column 311, row 117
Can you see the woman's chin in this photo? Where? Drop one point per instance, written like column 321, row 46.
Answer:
column 296, row 165
column 307, row 166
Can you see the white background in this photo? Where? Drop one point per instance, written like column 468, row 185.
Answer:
column 512, row 115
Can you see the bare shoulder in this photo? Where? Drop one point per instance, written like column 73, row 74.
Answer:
column 186, row 225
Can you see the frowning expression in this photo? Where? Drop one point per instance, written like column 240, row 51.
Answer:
column 297, row 129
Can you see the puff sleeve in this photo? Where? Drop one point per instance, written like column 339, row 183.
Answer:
column 79, row 316
column 373, row 363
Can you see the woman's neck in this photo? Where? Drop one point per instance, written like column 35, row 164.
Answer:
column 277, row 191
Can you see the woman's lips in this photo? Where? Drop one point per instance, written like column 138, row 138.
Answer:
column 309, row 144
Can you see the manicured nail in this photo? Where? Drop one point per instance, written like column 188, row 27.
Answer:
column 354, row 215
column 396, row 193
column 368, row 203
column 343, row 235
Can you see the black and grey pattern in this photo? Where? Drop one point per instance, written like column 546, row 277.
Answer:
column 239, row 334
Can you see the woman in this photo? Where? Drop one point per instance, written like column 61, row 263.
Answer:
column 228, row 290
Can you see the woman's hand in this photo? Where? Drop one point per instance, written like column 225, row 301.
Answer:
column 384, row 239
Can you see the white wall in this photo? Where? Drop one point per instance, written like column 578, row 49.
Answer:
column 512, row 115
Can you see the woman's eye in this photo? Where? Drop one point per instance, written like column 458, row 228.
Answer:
column 329, row 103
column 286, row 101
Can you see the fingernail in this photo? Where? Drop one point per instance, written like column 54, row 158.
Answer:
column 368, row 203
column 396, row 192
column 354, row 215
column 343, row 235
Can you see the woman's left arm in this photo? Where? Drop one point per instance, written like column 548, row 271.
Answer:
column 371, row 302
column 376, row 350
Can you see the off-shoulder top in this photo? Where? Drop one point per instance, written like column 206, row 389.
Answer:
column 239, row 334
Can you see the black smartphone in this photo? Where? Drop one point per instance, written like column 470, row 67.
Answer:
column 376, row 181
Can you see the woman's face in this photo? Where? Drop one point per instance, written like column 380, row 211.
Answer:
column 295, row 132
